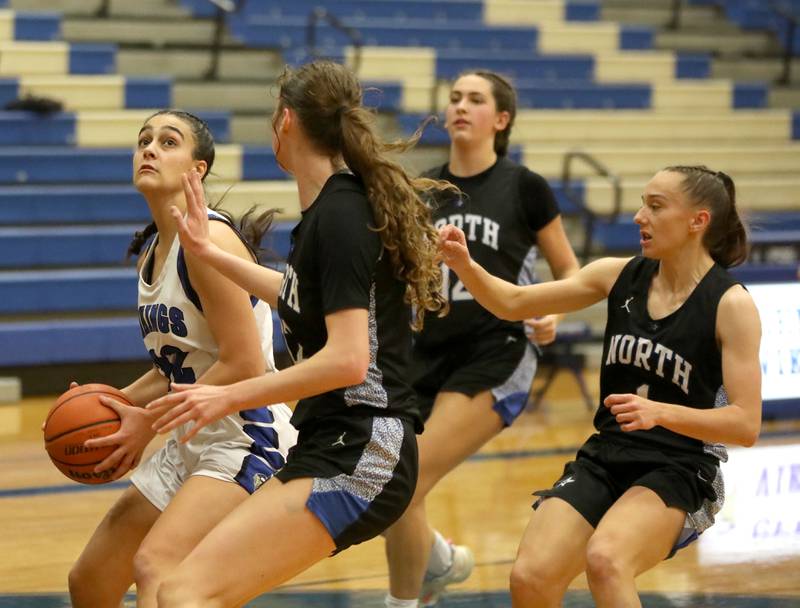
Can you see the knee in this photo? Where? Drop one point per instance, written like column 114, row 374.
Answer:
column 604, row 562
column 169, row 594
column 147, row 567
column 533, row 583
column 174, row 592
column 79, row 581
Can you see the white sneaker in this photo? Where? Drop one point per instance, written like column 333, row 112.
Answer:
column 460, row 569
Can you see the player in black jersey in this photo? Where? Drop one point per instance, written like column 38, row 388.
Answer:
column 680, row 376
column 473, row 372
column 362, row 252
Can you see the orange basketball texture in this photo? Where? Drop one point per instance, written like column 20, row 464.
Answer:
column 76, row 416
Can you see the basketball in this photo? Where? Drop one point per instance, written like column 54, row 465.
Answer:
column 76, row 416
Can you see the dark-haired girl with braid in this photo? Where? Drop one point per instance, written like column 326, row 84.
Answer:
column 680, row 376
column 362, row 255
column 196, row 325
column 472, row 372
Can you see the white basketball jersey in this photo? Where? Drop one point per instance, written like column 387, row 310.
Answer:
column 182, row 347
column 173, row 326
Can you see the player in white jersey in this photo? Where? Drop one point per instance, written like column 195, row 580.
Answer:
column 197, row 326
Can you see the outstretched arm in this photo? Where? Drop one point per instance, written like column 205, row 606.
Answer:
column 264, row 283
column 343, row 361
column 514, row 302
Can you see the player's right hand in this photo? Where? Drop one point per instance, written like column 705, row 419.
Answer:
column 72, row 385
column 453, row 247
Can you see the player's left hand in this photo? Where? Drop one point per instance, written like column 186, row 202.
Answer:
column 542, row 330
column 193, row 227
column 198, row 403
column 633, row 413
column 129, row 441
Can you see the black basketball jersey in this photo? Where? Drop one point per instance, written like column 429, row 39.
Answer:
column 675, row 359
column 337, row 262
column 500, row 212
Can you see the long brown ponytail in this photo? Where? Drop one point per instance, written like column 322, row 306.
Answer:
column 327, row 99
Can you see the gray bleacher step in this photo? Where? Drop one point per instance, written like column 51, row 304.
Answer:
column 721, row 42
column 661, row 16
column 767, row 69
column 155, row 32
column 785, row 97
column 255, row 128
column 253, row 96
column 10, row 389
column 117, row 8
column 252, row 129
column 660, row 4
column 193, row 64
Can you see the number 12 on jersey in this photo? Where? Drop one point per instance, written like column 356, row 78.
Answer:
column 457, row 292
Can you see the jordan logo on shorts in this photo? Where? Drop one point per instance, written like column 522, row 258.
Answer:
column 565, row 481
column 339, row 441
column 259, row 479
column 627, row 303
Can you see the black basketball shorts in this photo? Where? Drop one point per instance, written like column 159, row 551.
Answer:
column 364, row 470
column 503, row 362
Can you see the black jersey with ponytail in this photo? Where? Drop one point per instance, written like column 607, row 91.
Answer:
column 327, row 98
column 726, row 237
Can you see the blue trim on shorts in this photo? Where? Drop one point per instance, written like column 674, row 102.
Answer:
column 509, row 408
column 686, row 538
column 258, row 414
column 336, row 510
column 254, row 473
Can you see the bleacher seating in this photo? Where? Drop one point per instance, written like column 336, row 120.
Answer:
column 67, row 209
column 759, row 15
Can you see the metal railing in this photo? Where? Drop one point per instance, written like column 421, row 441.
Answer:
column 224, row 8
column 677, row 10
column 791, row 17
column 590, row 217
column 321, row 14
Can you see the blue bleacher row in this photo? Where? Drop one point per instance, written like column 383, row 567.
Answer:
column 85, row 286
column 524, row 65
column 291, row 32
column 89, row 58
column 113, row 339
column 28, row 129
column 149, row 92
column 359, row 10
column 73, row 341
column 760, row 15
column 64, row 165
column 38, row 26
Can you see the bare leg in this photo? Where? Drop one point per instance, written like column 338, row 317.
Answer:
column 200, row 504
column 263, row 542
column 634, row 535
column 457, row 428
column 551, row 554
column 104, row 571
